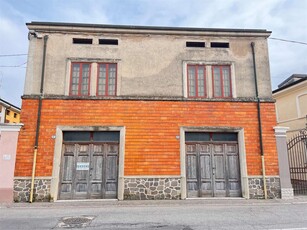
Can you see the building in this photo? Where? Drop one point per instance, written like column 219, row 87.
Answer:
column 9, row 113
column 291, row 103
column 138, row 112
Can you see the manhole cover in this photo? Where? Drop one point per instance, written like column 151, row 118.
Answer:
column 75, row 222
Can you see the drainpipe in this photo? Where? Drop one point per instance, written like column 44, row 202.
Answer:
column 259, row 124
column 38, row 119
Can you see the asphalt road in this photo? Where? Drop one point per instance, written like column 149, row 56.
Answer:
column 158, row 215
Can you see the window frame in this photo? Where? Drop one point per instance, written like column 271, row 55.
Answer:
column 196, row 81
column 107, row 79
column 80, row 79
column 222, row 82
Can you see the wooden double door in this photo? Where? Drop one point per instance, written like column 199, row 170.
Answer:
column 89, row 171
column 212, row 169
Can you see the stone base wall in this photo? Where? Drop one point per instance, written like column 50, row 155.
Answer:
column 22, row 190
column 256, row 188
column 152, row 189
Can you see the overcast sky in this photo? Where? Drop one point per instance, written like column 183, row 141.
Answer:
column 287, row 19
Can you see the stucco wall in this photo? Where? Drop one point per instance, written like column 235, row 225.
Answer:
column 8, row 145
column 291, row 107
column 149, row 64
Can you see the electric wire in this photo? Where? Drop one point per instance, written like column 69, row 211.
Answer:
column 13, row 65
column 291, row 41
column 12, row 55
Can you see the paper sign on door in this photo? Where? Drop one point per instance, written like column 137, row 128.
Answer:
column 83, row 165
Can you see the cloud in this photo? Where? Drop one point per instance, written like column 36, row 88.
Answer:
column 285, row 18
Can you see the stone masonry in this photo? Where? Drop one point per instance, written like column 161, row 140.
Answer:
column 22, row 190
column 256, row 188
column 152, row 189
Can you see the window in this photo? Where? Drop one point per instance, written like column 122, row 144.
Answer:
column 196, row 81
column 82, row 41
column 195, row 44
column 15, row 115
column 80, row 79
column 106, row 79
column 8, row 112
column 219, row 44
column 221, row 81
column 108, row 42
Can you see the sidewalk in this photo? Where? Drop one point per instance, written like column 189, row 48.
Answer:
column 202, row 201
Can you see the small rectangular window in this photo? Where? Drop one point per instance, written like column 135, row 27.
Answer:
column 197, row 136
column 76, row 136
column 82, row 41
column 112, row 136
column 224, row 137
column 8, row 112
column 219, row 44
column 113, row 42
column 15, row 115
column 195, row 44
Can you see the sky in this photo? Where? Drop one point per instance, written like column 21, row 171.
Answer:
column 285, row 18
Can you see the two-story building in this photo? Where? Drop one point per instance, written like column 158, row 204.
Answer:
column 9, row 113
column 139, row 112
column 291, row 103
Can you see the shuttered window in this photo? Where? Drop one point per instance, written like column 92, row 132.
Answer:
column 106, row 80
column 80, row 79
column 196, row 81
column 221, row 81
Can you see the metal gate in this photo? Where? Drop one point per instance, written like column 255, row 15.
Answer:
column 297, row 153
column 213, row 165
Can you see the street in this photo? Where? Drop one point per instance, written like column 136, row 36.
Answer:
column 162, row 215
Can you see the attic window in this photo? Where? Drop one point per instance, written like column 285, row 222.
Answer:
column 195, row 44
column 82, row 41
column 219, row 44
column 108, row 42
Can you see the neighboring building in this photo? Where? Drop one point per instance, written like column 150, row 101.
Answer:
column 137, row 112
column 9, row 113
column 291, row 103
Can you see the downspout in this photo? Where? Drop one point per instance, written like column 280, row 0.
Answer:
column 38, row 119
column 259, row 124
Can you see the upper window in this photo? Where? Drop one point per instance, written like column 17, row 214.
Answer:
column 82, row 41
column 80, row 79
column 196, row 81
column 113, row 42
column 106, row 80
column 221, row 81
column 195, row 44
column 219, row 44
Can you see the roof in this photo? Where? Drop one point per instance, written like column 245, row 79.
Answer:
column 2, row 102
column 146, row 28
column 294, row 79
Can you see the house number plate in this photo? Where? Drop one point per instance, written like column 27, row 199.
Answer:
column 83, row 165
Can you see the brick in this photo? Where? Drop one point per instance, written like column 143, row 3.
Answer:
column 151, row 128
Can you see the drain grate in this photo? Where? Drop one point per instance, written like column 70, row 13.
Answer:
column 75, row 222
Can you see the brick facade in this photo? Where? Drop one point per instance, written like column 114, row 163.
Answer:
column 152, row 128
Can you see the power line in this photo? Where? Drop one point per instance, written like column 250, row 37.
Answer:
column 285, row 40
column 13, row 65
column 12, row 55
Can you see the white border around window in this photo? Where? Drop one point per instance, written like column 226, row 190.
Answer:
column 93, row 73
column 209, row 86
